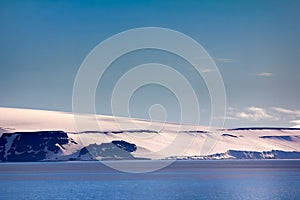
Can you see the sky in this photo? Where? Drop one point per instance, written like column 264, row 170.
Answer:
column 255, row 45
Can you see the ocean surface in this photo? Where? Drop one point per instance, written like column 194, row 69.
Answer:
column 248, row 179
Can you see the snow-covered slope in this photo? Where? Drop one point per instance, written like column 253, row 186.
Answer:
column 116, row 138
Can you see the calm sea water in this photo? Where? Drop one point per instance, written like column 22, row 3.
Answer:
column 273, row 179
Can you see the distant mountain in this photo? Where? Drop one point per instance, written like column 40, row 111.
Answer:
column 36, row 135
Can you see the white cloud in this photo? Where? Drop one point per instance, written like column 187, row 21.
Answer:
column 264, row 74
column 253, row 114
column 296, row 122
column 206, row 70
column 225, row 118
column 287, row 111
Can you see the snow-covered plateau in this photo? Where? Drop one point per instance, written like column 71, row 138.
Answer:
column 38, row 135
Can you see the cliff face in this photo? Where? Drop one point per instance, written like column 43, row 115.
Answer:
column 52, row 145
column 31, row 146
column 115, row 150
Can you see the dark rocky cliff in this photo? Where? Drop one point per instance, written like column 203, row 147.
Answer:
column 31, row 146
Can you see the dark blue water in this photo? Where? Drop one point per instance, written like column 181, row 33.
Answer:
column 273, row 179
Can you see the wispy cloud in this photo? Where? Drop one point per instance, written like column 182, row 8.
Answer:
column 264, row 74
column 224, row 60
column 252, row 114
column 296, row 123
column 225, row 118
column 203, row 70
column 292, row 115
column 286, row 111
column 255, row 114
column 206, row 70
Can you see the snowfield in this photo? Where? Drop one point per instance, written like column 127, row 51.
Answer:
column 124, row 138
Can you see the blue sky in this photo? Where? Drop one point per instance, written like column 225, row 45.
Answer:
column 255, row 44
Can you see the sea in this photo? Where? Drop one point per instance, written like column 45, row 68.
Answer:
column 202, row 179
